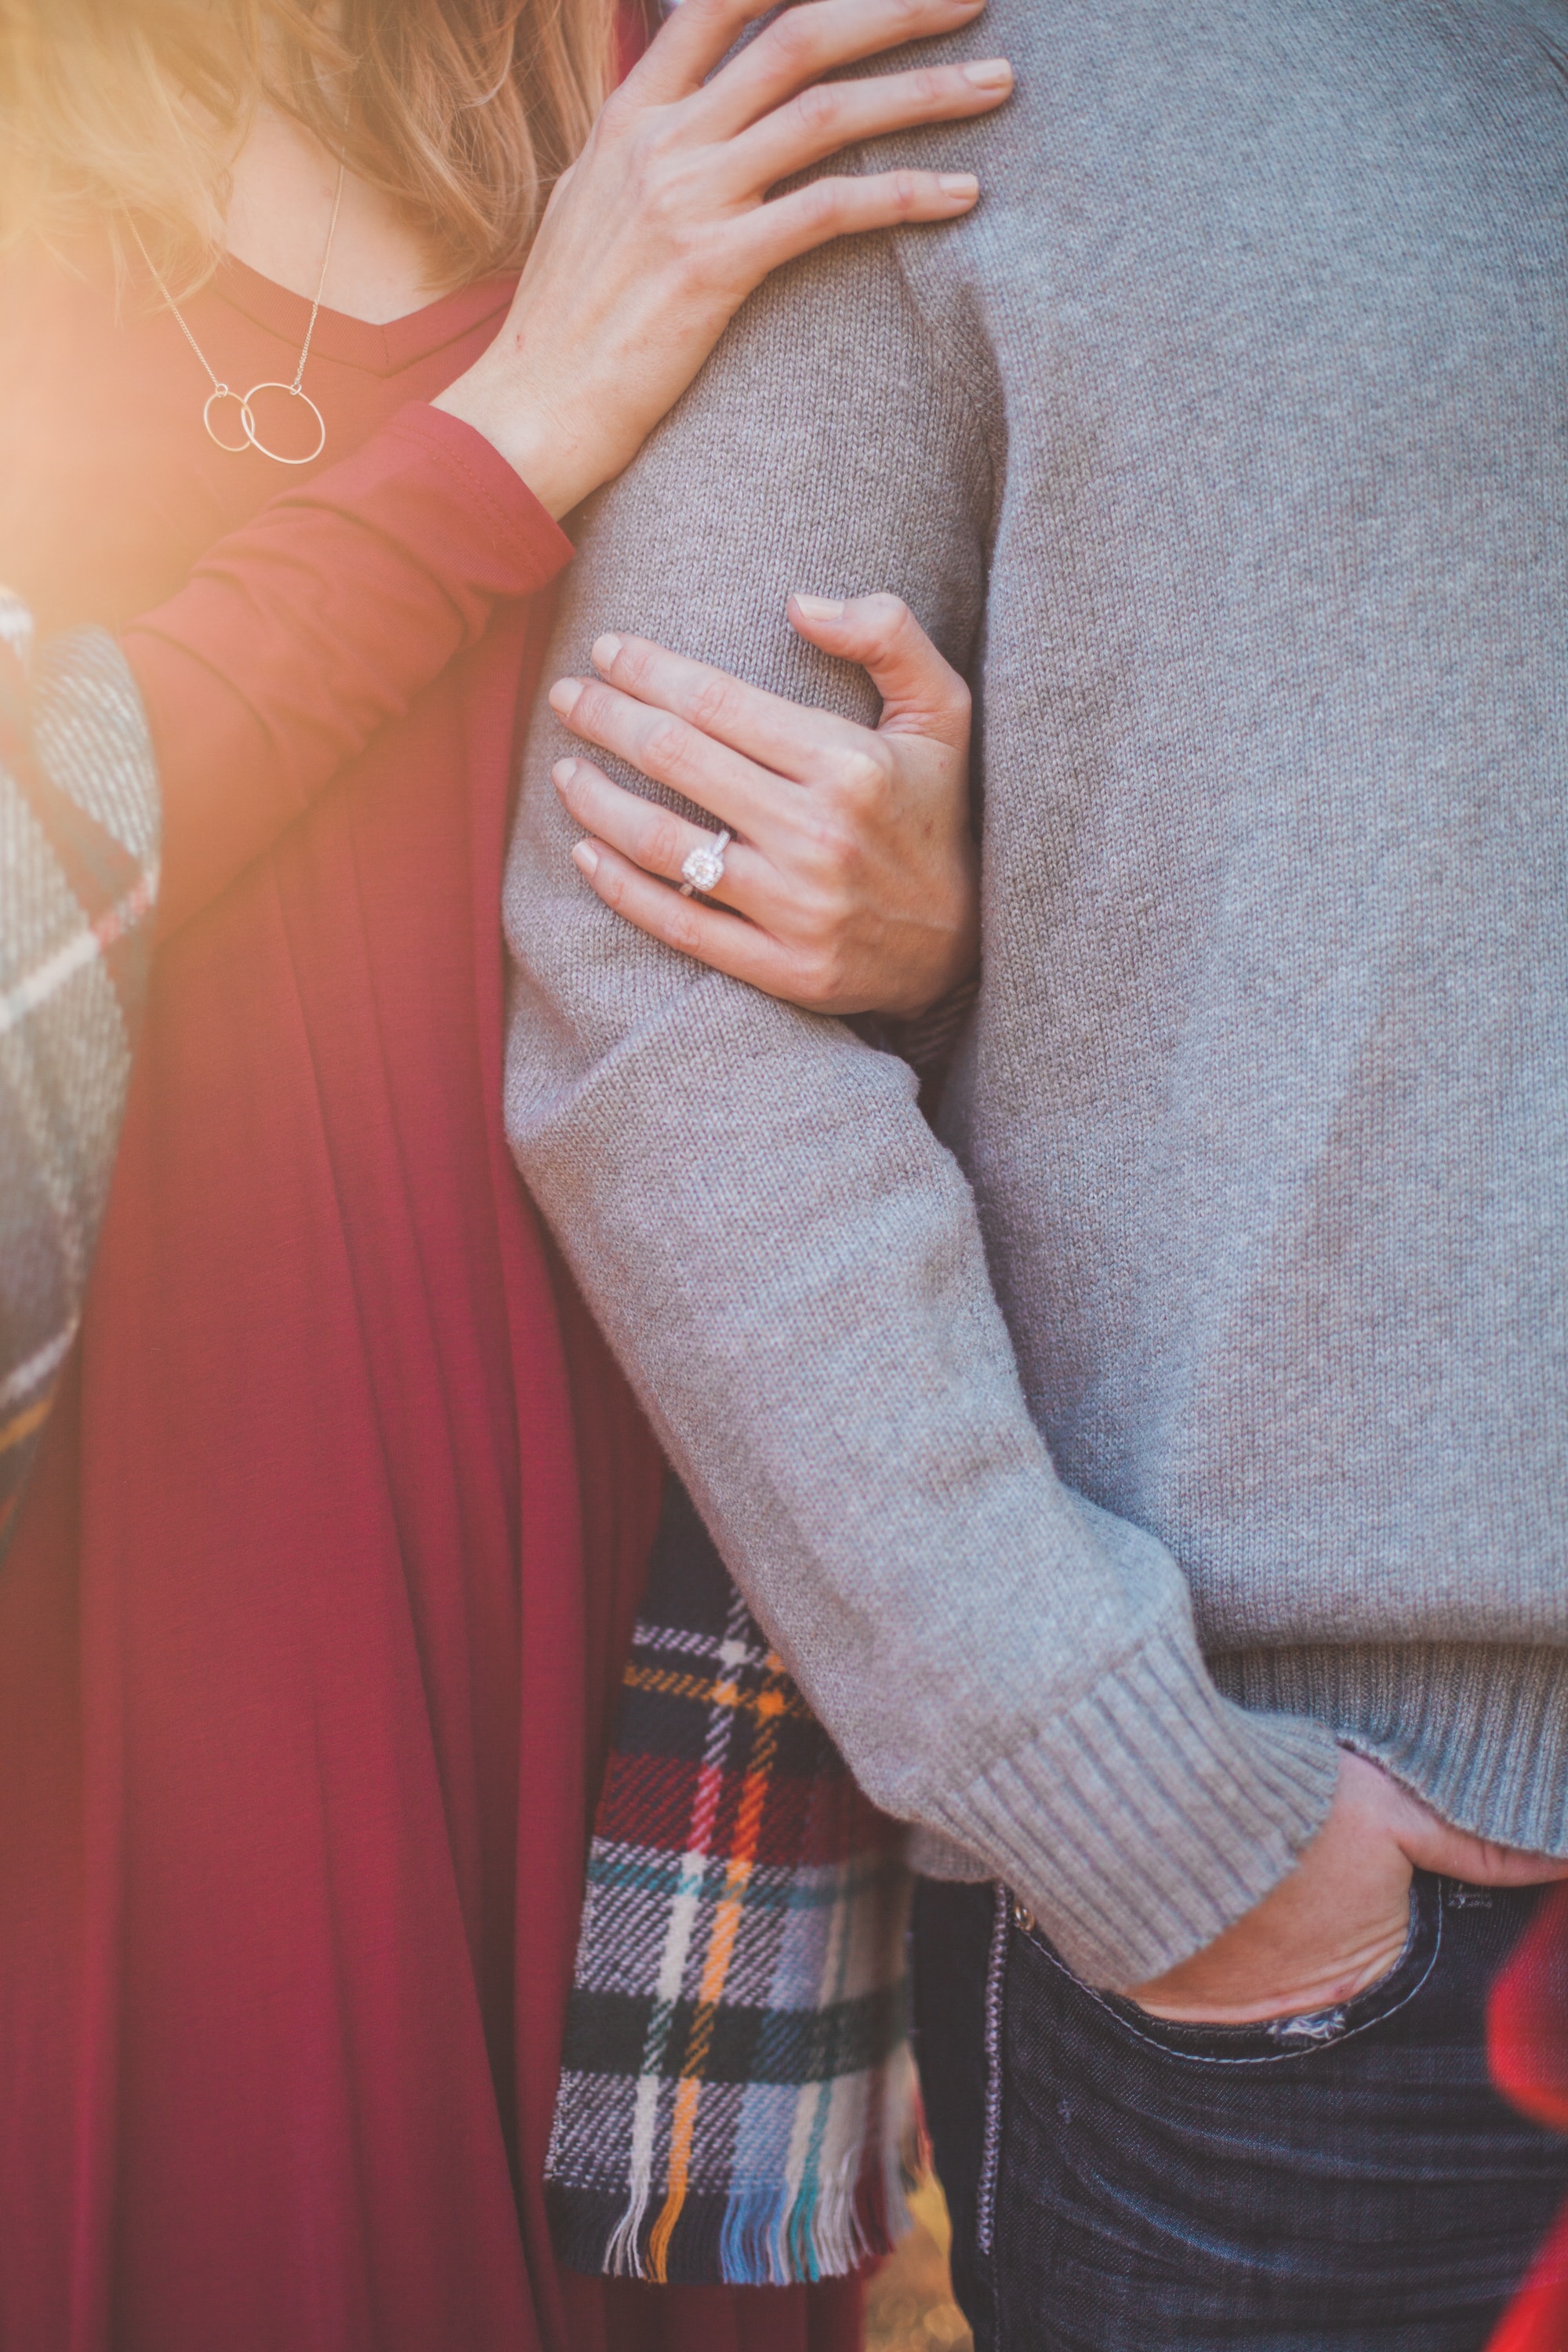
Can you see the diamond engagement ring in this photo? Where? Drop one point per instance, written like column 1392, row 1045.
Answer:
column 704, row 869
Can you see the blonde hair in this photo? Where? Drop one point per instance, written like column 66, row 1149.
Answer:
column 464, row 112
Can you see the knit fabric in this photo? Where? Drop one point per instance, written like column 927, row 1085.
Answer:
column 1205, row 1401
column 78, row 874
column 736, row 2099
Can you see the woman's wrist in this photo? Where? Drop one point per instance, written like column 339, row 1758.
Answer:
column 542, row 452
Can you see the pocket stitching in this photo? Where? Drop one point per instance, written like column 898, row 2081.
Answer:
column 1272, row 2058
column 991, row 2145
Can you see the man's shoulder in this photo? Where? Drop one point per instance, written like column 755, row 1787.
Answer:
column 1157, row 106
column 1101, row 53
column 1243, row 153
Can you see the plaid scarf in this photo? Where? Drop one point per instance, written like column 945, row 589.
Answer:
column 737, row 2101
column 78, row 872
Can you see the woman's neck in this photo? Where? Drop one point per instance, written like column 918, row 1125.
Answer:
column 284, row 181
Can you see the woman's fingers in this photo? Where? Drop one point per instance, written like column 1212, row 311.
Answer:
column 665, row 747
column 789, row 225
column 721, row 940
column 788, row 739
column 837, row 114
column 921, row 693
column 804, row 43
column 658, row 840
column 686, row 48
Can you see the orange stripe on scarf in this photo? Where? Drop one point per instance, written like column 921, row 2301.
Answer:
column 771, row 1704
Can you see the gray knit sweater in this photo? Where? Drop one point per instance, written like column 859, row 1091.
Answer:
column 1206, row 1398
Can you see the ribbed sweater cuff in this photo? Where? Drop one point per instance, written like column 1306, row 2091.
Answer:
column 1149, row 1818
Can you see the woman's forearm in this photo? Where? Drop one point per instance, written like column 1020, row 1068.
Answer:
column 302, row 633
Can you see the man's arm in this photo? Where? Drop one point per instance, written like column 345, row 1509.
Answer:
column 791, row 1267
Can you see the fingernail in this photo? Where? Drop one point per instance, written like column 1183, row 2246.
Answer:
column 989, row 73
column 585, row 858
column 959, row 184
column 564, row 695
column 563, row 772
column 605, row 651
column 819, row 608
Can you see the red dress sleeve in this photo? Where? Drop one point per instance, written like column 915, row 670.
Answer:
column 300, row 634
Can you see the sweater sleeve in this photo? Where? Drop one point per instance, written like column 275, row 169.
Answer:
column 302, row 633
column 789, row 1263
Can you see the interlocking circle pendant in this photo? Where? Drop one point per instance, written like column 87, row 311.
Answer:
column 290, row 392
column 221, row 392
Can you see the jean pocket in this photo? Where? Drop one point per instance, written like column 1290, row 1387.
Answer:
column 1278, row 2040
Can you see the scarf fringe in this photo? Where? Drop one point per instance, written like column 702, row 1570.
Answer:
column 761, row 2234
column 737, row 2103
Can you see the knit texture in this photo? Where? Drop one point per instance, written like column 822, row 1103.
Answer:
column 78, row 874
column 1223, row 447
column 737, row 2093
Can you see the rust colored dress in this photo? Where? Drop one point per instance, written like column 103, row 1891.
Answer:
column 315, row 1613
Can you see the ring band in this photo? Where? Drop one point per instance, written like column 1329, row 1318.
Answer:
column 704, row 866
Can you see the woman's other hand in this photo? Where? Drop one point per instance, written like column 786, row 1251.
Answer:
column 664, row 225
column 852, row 884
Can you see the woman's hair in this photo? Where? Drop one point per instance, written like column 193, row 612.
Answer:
column 464, row 112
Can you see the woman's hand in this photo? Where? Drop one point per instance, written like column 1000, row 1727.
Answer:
column 852, row 883
column 663, row 226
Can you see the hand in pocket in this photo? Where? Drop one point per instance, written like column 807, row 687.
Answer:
column 1338, row 1920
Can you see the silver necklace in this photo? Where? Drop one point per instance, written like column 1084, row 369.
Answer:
column 295, row 391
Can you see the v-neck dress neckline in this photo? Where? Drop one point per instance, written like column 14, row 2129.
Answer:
column 384, row 350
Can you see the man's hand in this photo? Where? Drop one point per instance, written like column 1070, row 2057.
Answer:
column 1340, row 1921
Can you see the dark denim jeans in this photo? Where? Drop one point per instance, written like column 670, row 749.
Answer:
column 1118, row 2184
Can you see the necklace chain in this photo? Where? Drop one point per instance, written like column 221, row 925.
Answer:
column 295, row 391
